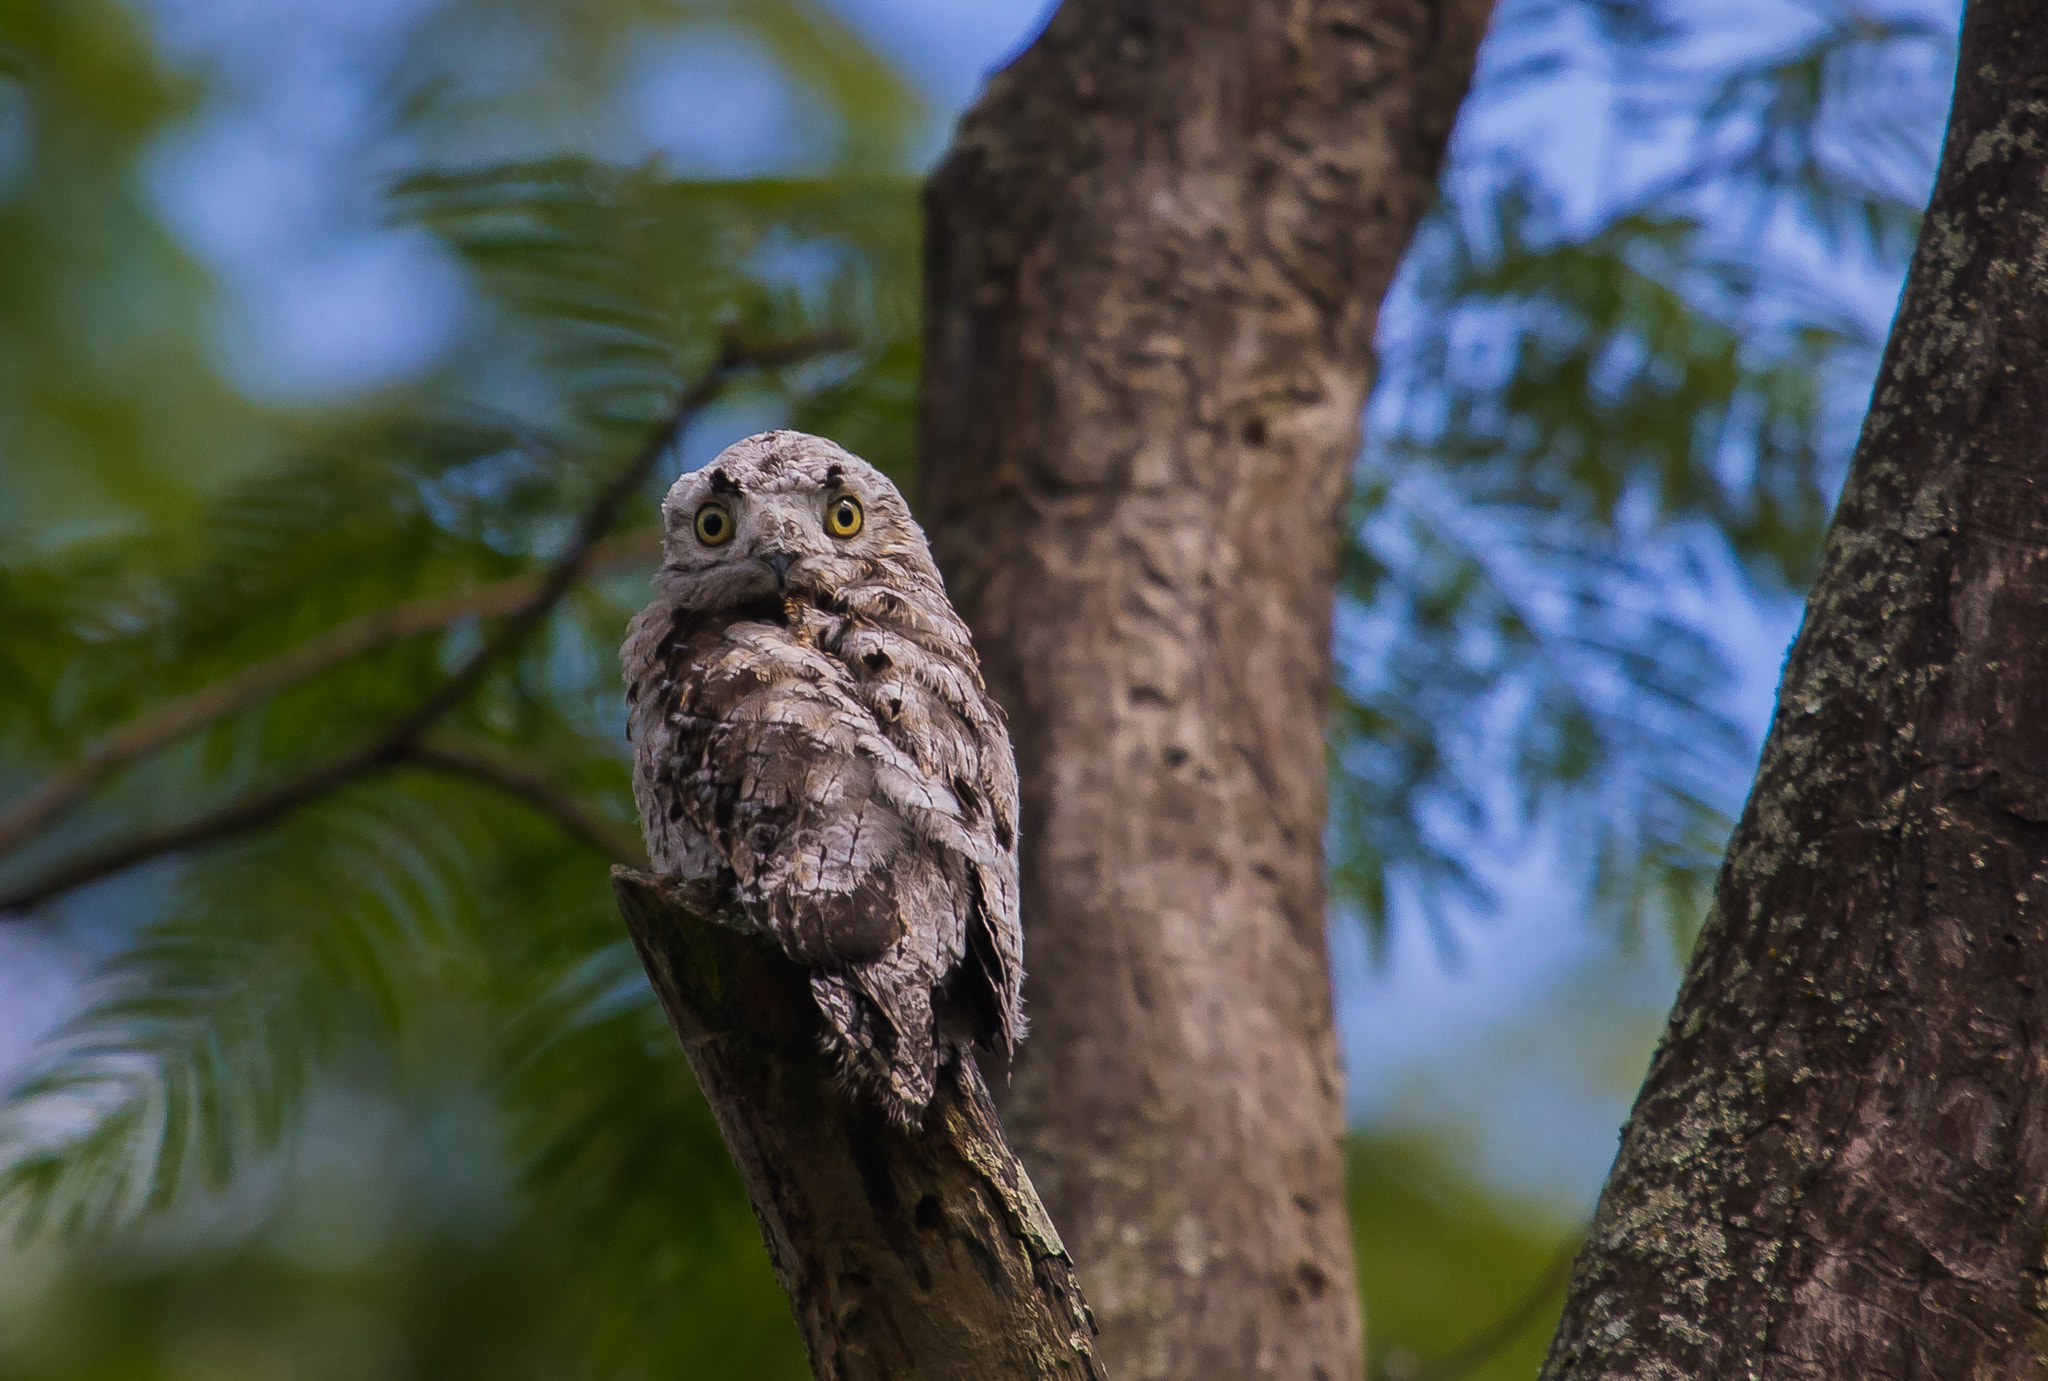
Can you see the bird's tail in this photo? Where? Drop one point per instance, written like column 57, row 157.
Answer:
column 879, row 1036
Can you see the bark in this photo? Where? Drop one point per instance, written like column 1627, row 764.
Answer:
column 1838, row 1166
column 907, row 1256
column 1155, row 257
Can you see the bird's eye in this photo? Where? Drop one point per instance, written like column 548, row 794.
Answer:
column 714, row 524
column 842, row 516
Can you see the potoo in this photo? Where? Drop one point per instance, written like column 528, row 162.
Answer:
column 810, row 727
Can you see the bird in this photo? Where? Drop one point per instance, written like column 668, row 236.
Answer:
column 811, row 729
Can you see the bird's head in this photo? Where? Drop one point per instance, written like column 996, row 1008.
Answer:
column 783, row 515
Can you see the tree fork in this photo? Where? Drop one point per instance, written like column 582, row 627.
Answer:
column 1838, row 1165
column 1155, row 258
column 907, row 1256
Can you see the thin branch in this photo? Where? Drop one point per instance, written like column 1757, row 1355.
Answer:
column 157, row 728
column 495, row 768
column 399, row 740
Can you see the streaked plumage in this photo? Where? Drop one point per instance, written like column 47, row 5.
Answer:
column 820, row 737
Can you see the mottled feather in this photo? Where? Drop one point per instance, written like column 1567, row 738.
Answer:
column 810, row 724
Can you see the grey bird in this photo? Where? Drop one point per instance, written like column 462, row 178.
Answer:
column 810, row 726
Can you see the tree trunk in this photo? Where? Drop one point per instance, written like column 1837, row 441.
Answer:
column 920, row 1256
column 1155, row 257
column 1838, row 1166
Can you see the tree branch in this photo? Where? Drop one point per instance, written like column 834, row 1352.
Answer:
column 398, row 740
column 159, row 727
column 495, row 768
column 909, row 1255
column 253, row 811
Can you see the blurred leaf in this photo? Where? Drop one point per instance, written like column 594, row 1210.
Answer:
column 1580, row 413
column 1443, row 1262
column 109, row 405
column 418, row 926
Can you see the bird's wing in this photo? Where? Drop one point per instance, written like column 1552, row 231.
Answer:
column 779, row 764
column 927, row 697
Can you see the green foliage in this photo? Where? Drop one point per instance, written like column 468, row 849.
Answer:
column 610, row 275
column 1581, row 410
column 420, row 939
column 479, row 78
column 107, row 397
column 455, row 1309
column 1441, row 1260
column 353, row 922
column 1443, row 1263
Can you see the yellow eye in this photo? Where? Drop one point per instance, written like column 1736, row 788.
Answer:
column 714, row 524
column 842, row 516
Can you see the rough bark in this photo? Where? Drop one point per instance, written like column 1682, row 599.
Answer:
column 1838, row 1166
column 906, row 1256
column 1155, row 257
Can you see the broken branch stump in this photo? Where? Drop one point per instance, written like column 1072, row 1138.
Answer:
column 905, row 1254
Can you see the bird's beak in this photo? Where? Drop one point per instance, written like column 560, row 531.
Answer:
column 779, row 563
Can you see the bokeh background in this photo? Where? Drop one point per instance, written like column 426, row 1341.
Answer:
column 310, row 309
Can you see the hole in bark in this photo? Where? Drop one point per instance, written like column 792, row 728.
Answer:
column 1312, row 1277
column 1255, row 432
column 867, row 1145
column 1176, row 756
column 930, row 1218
